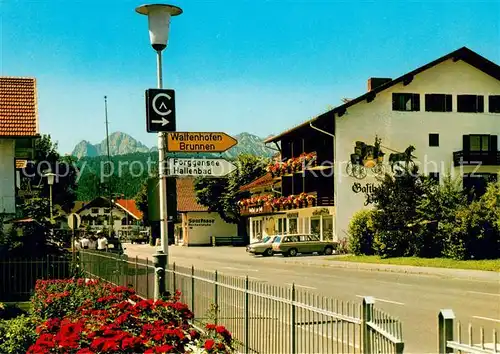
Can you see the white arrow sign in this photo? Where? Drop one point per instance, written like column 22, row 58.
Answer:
column 162, row 121
column 199, row 167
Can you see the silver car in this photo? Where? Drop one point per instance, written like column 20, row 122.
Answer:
column 263, row 247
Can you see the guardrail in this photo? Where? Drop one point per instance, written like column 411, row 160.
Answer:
column 263, row 317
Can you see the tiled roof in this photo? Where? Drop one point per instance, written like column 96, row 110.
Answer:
column 186, row 197
column 18, row 107
column 263, row 181
column 130, row 206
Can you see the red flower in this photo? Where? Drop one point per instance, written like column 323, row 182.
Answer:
column 164, row 348
column 209, row 344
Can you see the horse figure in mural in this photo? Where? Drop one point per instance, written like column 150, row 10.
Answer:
column 406, row 157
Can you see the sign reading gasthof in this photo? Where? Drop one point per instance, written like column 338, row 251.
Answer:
column 199, row 142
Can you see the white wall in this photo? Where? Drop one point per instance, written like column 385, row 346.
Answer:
column 117, row 224
column 200, row 226
column 7, row 177
column 398, row 130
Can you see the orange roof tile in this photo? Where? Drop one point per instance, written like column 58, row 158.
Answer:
column 18, row 107
column 130, row 206
column 263, row 181
column 186, row 197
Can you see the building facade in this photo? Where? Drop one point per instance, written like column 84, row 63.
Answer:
column 443, row 117
column 18, row 132
column 197, row 225
column 297, row 194
column 96, row 215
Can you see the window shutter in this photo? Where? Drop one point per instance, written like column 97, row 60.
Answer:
column 480, row 104
column 466, row 143
column 494, row 143
column 415, row 102
column 394, row 102
column 448, row 103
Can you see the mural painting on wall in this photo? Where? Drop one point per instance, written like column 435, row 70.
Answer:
column 366, row 157
column 371, row 158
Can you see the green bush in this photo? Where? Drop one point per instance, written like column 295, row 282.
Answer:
column 361, row 233
column 17, row 334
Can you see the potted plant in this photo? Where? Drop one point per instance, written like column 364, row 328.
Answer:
column 311, row 200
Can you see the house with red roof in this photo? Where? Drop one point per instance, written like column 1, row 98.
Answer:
column 197, row 224
column 96, row 215
column 18, row 132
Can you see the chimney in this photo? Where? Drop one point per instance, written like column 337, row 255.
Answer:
column 375, row 82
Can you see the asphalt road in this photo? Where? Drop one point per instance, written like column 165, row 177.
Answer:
column 415, row 299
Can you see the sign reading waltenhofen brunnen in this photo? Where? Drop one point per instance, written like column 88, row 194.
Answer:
column 199, row 142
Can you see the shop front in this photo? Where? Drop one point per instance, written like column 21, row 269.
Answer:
column 315, row 220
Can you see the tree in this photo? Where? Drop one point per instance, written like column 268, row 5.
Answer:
column 396, row 201
column 436, row 210
column 47, row 158
column 222, row 194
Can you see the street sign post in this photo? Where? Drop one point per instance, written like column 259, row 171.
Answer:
column 160, row 110
column 74, row 222
column 199, row 142
column 202, row 167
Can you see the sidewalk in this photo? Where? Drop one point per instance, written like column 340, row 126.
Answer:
column 440, row 272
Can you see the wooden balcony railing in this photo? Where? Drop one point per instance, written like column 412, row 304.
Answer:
column 464, row 158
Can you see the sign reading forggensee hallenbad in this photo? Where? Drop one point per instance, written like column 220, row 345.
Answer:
column 199, row 167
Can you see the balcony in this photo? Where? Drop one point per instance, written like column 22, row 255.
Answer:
column 466, row 158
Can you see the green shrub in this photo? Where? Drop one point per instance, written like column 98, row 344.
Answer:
column 17, row 334
column 361, row 233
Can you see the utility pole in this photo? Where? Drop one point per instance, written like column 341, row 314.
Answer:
column 110, row 192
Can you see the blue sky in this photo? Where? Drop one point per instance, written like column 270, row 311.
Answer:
column 254, row 66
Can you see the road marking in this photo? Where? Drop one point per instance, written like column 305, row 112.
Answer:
column 302, row 286
column 383, row 300
column 244, row 269
column 480, row 293
column 486, row 318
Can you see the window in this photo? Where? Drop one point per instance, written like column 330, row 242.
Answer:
column 494, row 104
column 470, row 103
column 94, row 211
column 476, row 183
column 292, row 226
column 316, row 226
column 435, row 102
column 107, row 210
column 405, row 102
column 327, row 228
column 433, row 139
column 434, row 176
column 479, row 142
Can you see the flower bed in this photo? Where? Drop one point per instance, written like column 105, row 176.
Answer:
column 84, row 317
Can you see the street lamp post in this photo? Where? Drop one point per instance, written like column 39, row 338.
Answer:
column 159, row 24
column 50, row 181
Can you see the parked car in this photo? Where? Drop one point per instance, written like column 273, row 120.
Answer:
column 291, row 245
column 263, row 247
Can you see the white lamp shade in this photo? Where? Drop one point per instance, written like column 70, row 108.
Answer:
column 159, row 25
column 50, row 178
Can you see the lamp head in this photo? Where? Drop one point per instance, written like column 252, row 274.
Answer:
column 159, row 22
column 50, row 178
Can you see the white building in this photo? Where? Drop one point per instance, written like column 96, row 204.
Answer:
column 97, row 213
column 197, row 225
column 18, row 131
column 449, row 110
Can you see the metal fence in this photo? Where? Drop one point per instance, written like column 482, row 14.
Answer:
column 18, row 276
column 450, row 342
column 263, row 318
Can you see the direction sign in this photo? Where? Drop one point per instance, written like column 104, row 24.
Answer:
column 199, row 167
column 74, row 221
column 160, row 110
column 199, row 142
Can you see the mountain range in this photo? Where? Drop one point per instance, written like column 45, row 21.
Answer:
column 122, row 144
